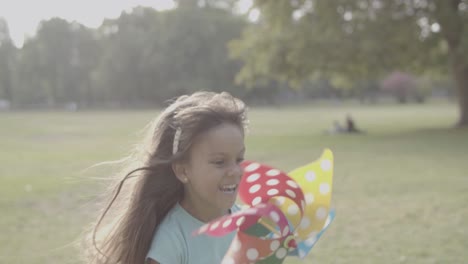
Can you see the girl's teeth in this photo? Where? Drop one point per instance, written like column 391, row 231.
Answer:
column 228, row 188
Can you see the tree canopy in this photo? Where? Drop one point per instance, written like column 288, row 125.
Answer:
column 351, row 41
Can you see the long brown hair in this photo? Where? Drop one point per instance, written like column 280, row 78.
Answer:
column 154, row 189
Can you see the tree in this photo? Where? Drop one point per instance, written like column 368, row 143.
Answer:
column 7, row 62
column 356, row 40
column 142, row 58
column 399, row 84
column 86, row 51
column 151, row 56
column 55, row 66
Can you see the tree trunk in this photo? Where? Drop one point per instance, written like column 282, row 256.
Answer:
column 7, row 91
column 453, row 30
column 461, row 77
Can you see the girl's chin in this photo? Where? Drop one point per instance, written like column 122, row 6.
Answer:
column 228, row 204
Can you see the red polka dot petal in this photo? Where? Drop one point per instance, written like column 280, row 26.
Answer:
column 261, row 182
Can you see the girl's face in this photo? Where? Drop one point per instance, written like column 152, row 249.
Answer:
column 213, row 172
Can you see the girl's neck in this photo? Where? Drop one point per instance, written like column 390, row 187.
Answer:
column 202, row 213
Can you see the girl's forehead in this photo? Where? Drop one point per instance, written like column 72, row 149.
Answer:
column 222, row 139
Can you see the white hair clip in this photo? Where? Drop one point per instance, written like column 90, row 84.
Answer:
column 175, row 144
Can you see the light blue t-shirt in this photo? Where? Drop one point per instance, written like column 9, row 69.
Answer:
column 174, row 243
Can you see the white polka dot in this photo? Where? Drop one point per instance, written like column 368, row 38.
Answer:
column 274, row 245
column 309, row 198
column 227, row 222
column 236, row 245
column 251, row 211
column 321, row 213
column 240, row 221
column 310, row 176
column 252, row 167
column 325, row 165
column 313, row 234
column 203, row 229
column 275, row 216
column 305, row 223
column 272, row 192
column 324, row 188
column 273, row 172
column 256, row 200
column 293, row 209
column 292, row 184
column 311, row 241
column 281, row 253
column 272, row 182
column 252, row 254
column 214, row 226
column 286, row 231
column 254, row 188
column 253, row 177
column 279, row 200
column 228, row 260
column 291, row 193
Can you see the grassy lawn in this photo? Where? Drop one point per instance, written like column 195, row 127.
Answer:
column 400, row 190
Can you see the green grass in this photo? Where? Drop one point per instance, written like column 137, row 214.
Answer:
column 400, row 190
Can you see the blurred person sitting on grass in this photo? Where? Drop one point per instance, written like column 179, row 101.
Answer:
column 350, row 127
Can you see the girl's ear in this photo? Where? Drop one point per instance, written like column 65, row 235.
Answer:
column 180, row 171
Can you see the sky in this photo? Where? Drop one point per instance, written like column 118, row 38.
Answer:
column 23, row 16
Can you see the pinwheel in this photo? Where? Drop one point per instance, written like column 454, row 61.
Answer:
column 284, row 214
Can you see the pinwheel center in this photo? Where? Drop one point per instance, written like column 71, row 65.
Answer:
column 290, row 242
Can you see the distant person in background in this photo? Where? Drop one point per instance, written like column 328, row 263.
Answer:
column 350, row 125
column 336, row 128
column 186, row 174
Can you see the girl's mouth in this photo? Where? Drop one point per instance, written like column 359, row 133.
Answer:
column 228, row 188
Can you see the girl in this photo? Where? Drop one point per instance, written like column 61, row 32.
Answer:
column 187, row 175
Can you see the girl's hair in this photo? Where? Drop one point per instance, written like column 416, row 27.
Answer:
column 154, row 189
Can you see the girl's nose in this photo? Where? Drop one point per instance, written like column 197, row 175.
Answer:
column 236, row 171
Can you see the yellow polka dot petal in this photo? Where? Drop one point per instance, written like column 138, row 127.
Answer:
column 315, row 180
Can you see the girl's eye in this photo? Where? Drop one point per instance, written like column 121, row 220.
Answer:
column 219, row 162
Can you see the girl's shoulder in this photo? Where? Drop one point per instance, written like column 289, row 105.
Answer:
column 175, row 241
column 168, row 244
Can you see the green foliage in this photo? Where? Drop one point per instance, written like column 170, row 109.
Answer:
column 7, row 62
column 143, row 57
column 353, row 41
column 54, row 67
column 356, row 39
